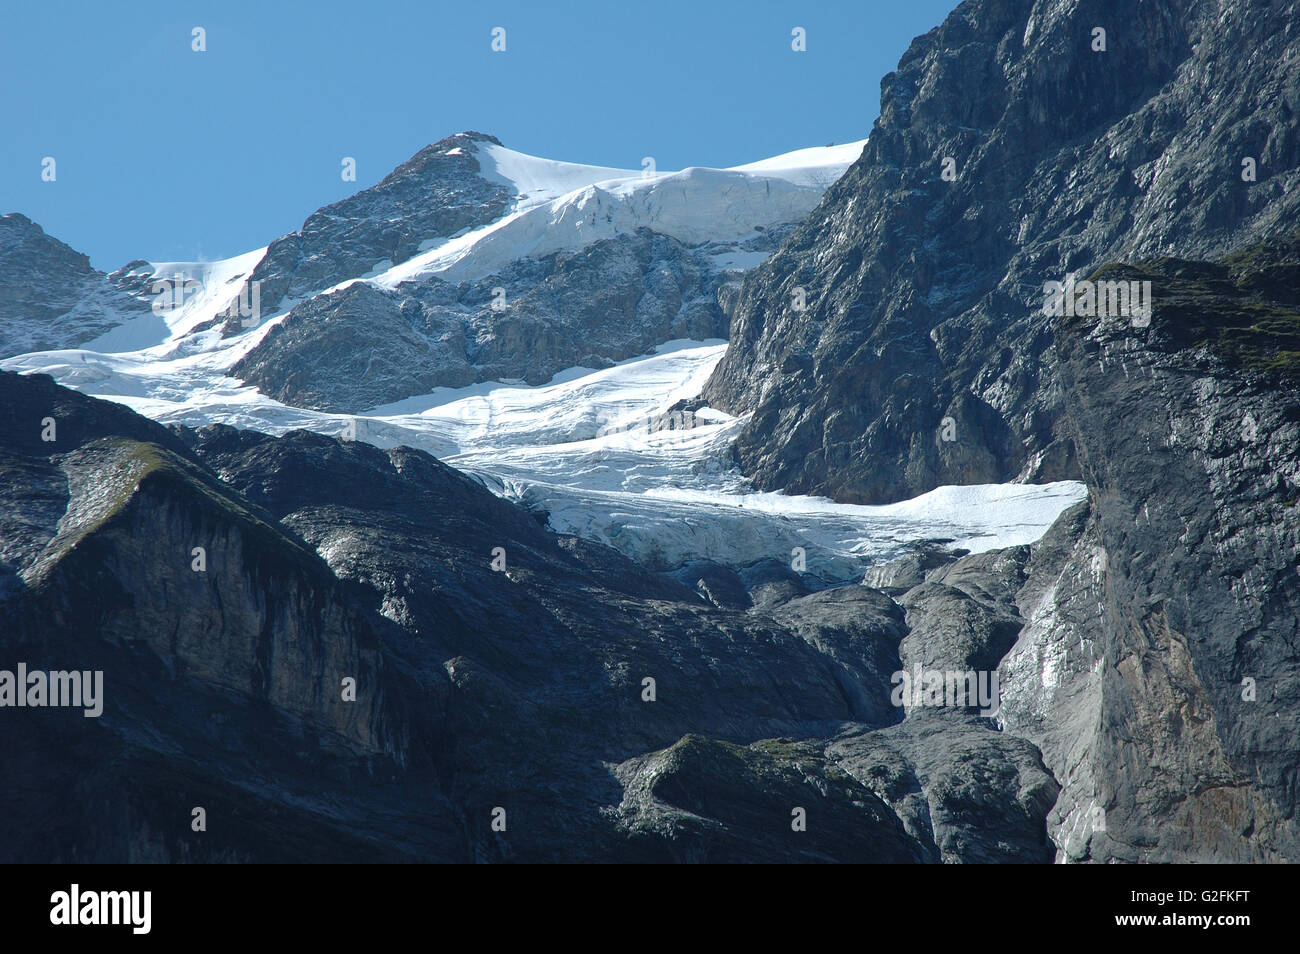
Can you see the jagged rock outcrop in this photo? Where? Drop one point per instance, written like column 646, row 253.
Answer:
column 355, row 349
column 50, row 297
column 1160, row 668
column 223, row 643
column 968, row 795
column 362, row 346
column 922, row 357
column 436, row 193
column 963, row 617
column 711, row 802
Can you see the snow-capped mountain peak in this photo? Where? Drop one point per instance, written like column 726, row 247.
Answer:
column 534, row 321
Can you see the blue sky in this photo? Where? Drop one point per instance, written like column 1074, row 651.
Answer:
column 164, row 153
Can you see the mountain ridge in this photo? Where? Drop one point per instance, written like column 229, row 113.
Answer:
column 924, row 294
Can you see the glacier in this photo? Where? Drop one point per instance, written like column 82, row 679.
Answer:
column 598, row 451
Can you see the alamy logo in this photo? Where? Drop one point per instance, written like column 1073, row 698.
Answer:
column 246, row 305
column 102, row 907
column 172, row 294
column 937, row 687
column 1089, row 299
column 669, row 421
column 58, row 688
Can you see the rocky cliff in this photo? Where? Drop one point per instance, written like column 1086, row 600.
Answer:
column 1150, row 642
column 1160, row 668
column 50, row 296
column 1016, row 145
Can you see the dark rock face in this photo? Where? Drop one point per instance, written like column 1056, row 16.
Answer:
column 1159, row 672
column 706, row 801
column 522, row 688
column 1150, row 638
column 351, row 350
column 436, row 193
column 924, row 296
column 964, row 617
column 1147, row 644
column 966, row 794
column 361, row 347
column 898, row 576
column 50, row 297
column 612, row 300
column 215, row 680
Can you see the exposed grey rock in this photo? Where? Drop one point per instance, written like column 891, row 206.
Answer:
column 221, row 686
column 352, row 350
column 1181, row 581
column 50, row 297
column 859, row 628
column 966, row 793
column 1051, row 680
column 706, row 801
column 897, row 576
column 765, row 584
column 614, row 299
column 771, row 583
column 434, row 194
column 924, row 296
column 715, row 583
column 964, row 616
